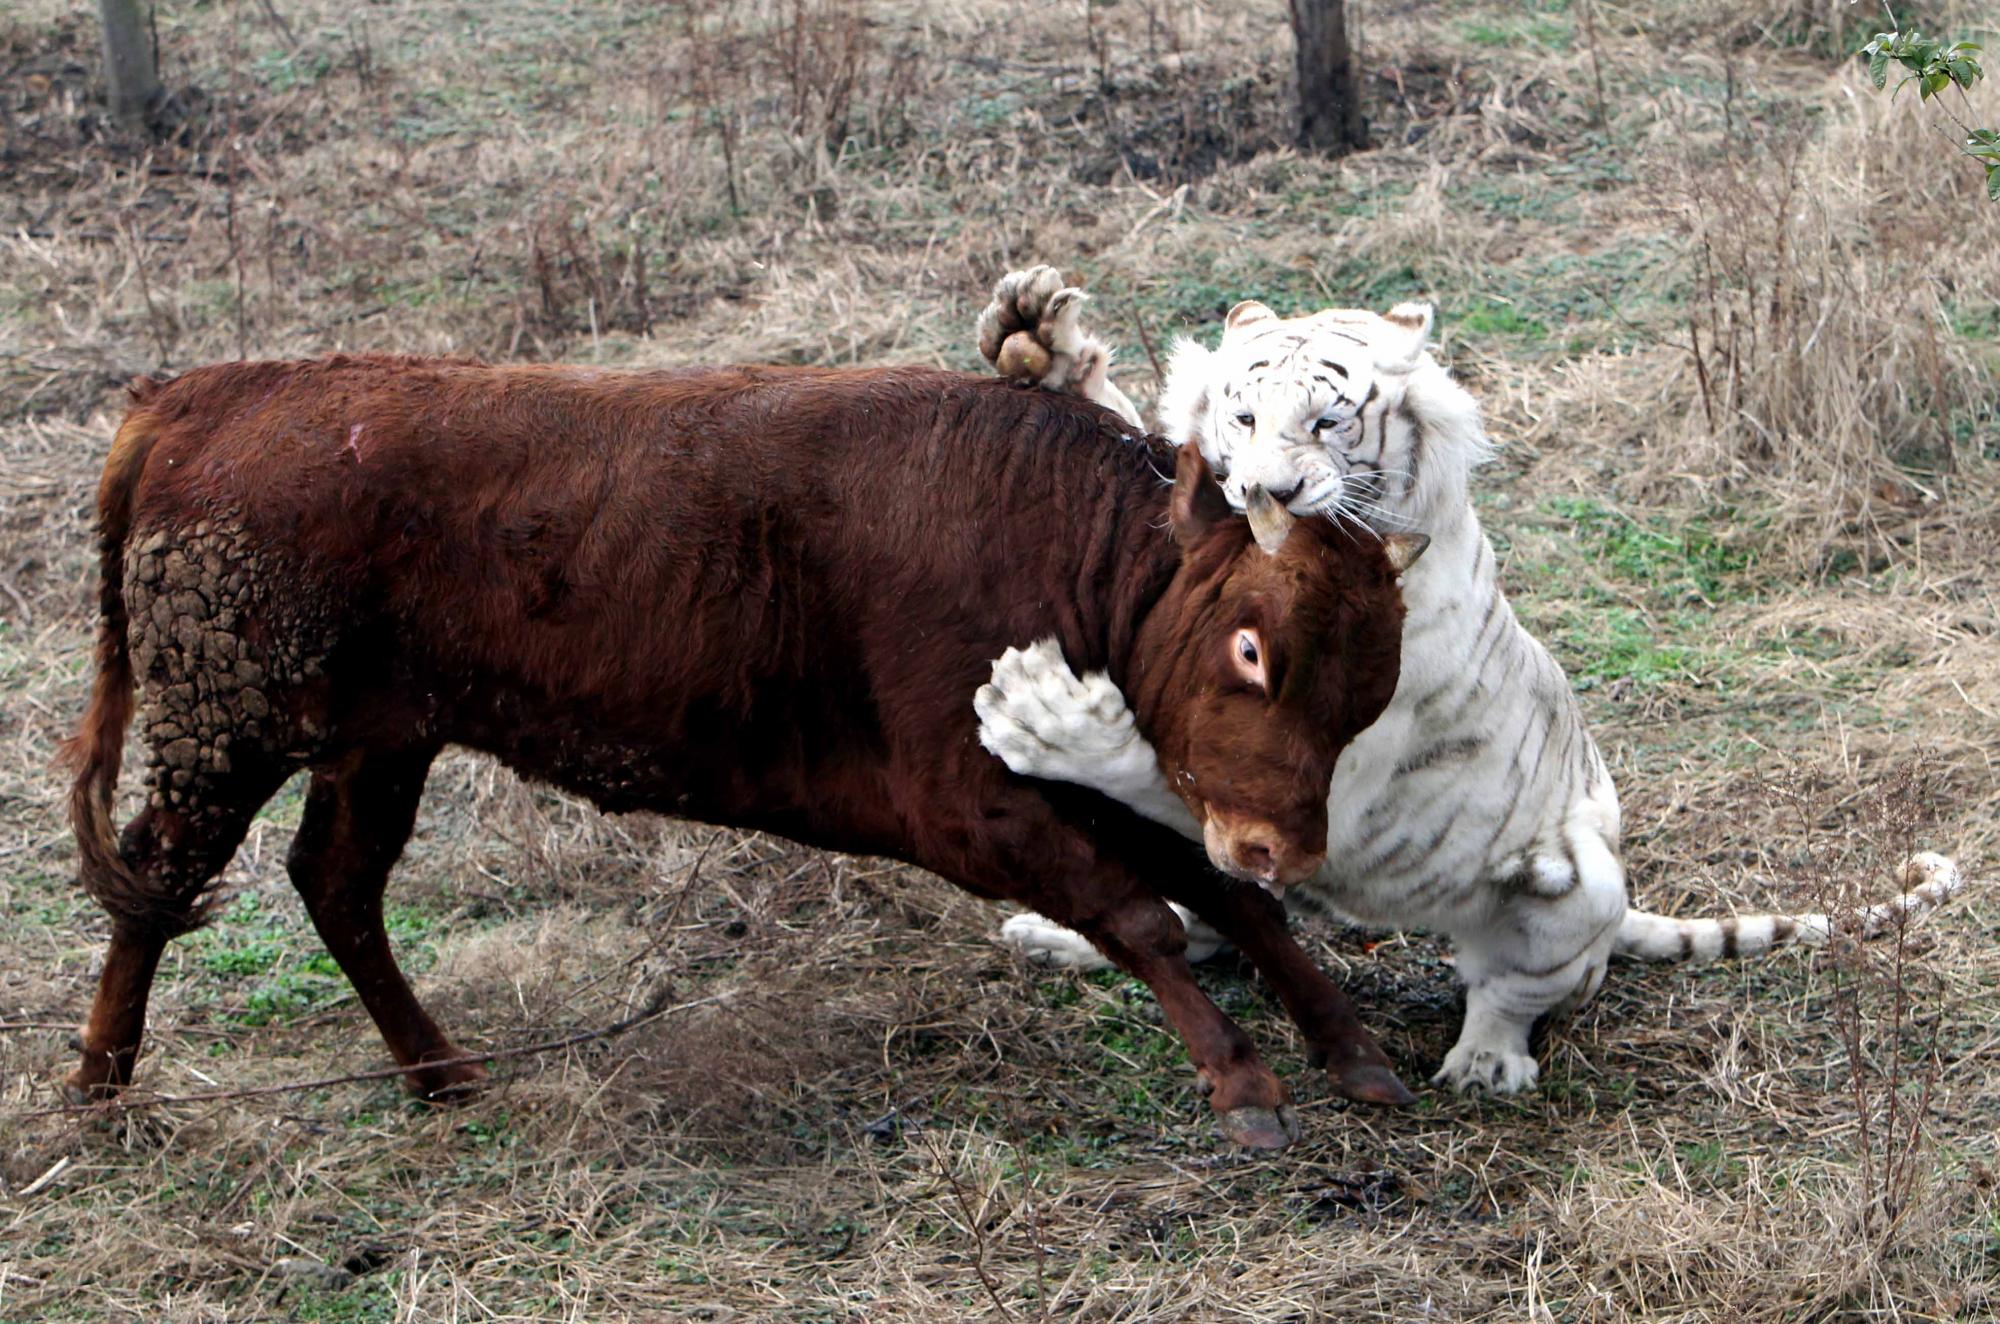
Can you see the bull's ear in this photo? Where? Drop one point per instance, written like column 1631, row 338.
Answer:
column 1198, row 503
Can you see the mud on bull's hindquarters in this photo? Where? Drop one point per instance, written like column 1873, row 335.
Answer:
column 193, row 603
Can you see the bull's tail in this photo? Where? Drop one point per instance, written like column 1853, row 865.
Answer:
column 96, row 750
column 1927, row 880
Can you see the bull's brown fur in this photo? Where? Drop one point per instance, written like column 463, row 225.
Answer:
column 758, row 597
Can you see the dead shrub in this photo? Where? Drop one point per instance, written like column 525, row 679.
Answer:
column 793, row 86
column 1834, row 29
column 1826, row 271
column 589, row 277
column 1885, row 1002
column 1677, row 1231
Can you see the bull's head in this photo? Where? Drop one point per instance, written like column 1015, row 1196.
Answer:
column 1266, row 656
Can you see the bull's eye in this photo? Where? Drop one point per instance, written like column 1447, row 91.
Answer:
column 1249, row 658
column 1246, row 419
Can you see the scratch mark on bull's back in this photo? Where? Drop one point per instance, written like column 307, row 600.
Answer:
column 353, row 446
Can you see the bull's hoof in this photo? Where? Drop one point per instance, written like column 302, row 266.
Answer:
column 1261, row 1128
column 77, row 1089
column 96, row 1079
column 447, row 1085
column 1368, row 1082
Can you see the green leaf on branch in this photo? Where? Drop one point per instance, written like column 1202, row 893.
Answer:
column 1933, row 67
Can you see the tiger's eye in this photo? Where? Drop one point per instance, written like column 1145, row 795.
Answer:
column 1246, row 418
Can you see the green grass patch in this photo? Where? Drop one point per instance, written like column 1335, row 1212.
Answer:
column 271, row 968
column 282, row 71
column 1518, row 30
column 1671, row 564
column 1645, row 618
column 1501, row 318
column 364, row 1303
column 253, row 956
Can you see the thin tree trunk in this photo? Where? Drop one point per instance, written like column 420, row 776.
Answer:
column 131, row 70
column 1329, row 96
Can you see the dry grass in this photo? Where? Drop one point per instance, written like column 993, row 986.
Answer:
column 873, row 1112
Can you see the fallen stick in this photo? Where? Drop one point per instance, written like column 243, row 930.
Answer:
column 654, row 1009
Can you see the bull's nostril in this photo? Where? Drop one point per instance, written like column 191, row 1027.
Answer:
column 1255, row 857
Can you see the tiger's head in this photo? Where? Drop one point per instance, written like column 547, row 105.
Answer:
column 1341, row 413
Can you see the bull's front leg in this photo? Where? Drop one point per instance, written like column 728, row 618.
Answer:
column 1003, row 838
column 1143, row 937
column 1255, row 922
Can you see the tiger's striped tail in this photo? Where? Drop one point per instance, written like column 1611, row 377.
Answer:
column 1927, row 880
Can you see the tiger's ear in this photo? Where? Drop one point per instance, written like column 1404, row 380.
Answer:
column 1243, row 316
column 1409, row 335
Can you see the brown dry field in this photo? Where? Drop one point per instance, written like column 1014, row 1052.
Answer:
column 1733, row 320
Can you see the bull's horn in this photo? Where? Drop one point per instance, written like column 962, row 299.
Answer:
column 1403, row 549
column 1270, row 522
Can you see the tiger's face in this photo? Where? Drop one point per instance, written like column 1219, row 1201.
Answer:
column 1310, row 408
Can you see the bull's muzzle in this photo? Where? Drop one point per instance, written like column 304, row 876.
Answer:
column 1257, row 852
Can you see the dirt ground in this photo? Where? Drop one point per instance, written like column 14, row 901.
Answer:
column 1732, row 315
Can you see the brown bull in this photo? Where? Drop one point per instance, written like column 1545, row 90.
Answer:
column 761, row 598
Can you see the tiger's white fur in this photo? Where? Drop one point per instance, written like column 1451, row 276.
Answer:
column 1477, row 805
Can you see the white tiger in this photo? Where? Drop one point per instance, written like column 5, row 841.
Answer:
column 1478, row 805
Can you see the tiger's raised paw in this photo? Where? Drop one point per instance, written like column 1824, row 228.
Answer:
column 1032, row 330
column 1044, row 720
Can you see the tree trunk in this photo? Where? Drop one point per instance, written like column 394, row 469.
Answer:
column 131, row 69
column 1329, row 100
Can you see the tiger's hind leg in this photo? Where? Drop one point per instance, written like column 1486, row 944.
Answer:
column 358, row 816
column 1544, row 951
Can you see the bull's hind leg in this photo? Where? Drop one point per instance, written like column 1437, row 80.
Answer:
column 358, row 815
column 174, row 852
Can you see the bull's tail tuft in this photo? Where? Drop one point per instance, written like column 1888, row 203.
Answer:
column 96, row 750
column 1928, row 881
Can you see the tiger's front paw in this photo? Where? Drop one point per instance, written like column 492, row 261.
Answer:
column 1043, row 720
column 1032, row 331
column 1491, row 1067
